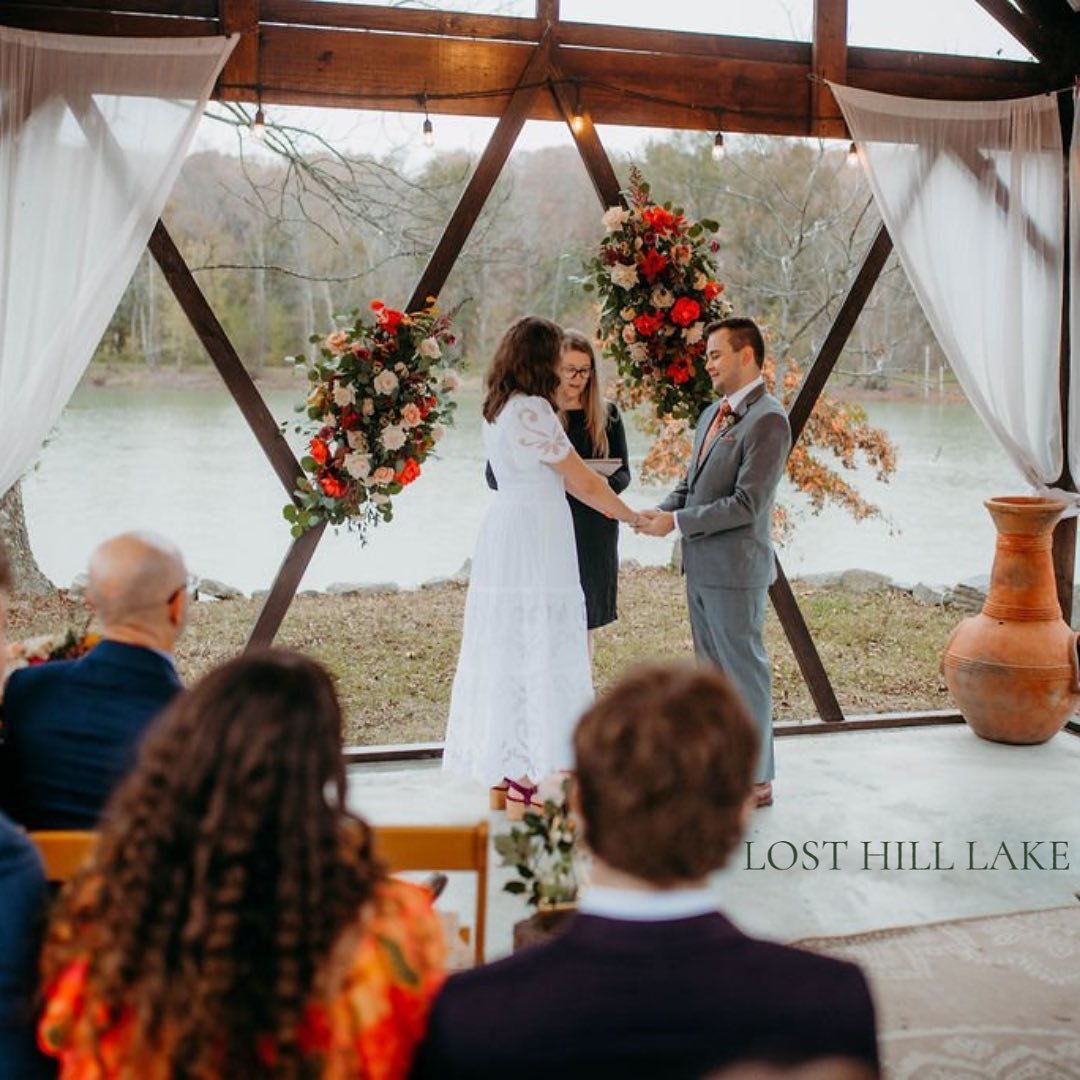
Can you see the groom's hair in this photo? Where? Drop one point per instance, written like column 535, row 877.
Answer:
column 741, row 332
column 664, row 766
column 525, row 363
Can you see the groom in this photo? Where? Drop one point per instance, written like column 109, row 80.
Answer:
column 722, row 509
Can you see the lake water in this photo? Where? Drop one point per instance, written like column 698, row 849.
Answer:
column 185, row 464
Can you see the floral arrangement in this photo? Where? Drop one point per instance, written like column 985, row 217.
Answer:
column 68, row 645
column 378, row 404
column 656, row 278
column 541, row 850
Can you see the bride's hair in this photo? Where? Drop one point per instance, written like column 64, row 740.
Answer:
column 524, row 363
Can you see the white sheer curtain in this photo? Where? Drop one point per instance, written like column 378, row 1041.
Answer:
column 971, row 193
column 92, row 135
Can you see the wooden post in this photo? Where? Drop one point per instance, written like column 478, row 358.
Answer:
column 242, row 68
column 828, row 61
column 1065, row 533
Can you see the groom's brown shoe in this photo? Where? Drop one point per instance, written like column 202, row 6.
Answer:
column 763, row 794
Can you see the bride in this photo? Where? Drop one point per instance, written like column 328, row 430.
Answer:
column 523, row 675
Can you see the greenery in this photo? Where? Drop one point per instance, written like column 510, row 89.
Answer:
column 394, row 654
column 541, row 851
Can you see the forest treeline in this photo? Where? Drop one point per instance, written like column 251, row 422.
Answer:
column 283, row 244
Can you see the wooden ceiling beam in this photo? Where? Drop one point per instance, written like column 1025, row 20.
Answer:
column 828, row 61
column 241, row 17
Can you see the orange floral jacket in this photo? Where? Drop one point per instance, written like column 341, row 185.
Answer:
column 369, row 1028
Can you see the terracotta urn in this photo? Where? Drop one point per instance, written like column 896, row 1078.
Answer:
column 1013, row 669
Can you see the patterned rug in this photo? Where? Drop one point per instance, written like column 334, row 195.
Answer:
column 995, row 997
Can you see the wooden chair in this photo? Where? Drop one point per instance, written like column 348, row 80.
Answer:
column 63, row 851
column 404, row 847
column 441, row 847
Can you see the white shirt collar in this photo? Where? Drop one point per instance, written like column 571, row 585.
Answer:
column 740, row 395
column 639, row 905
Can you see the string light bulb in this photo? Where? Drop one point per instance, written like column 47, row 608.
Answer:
column 577, row 119
column 428, row 128
column 852, row 155
column 258, row 125
column 718, row 146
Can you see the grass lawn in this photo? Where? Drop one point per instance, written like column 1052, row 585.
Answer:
column 394, row 653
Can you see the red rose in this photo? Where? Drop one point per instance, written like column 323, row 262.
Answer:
column 332, row 486
column 647, row 325
column 679, row 371
column 389, row 319
column 712, row 290
column 349, row 419
column 409, row 472
column 377, row 305
column 319, row 451
column 652, row 263
column 685, row 311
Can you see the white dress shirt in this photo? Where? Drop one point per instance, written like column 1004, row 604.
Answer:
column 652, row 905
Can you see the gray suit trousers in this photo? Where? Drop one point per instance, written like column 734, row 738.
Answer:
column 727, row 625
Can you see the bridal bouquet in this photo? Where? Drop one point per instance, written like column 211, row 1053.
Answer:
column 656, row 278
column 378, row 401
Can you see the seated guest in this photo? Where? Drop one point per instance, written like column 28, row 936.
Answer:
column 233, row 921
column 22, row 910
column 71, row 727
column 649, row 979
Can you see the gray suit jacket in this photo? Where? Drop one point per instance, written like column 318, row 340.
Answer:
column 724, row 504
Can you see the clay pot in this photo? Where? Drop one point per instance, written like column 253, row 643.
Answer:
column 1013, row 669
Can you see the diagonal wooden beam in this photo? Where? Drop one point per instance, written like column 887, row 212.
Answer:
column 1023, row 28
column 858, row 292
column 587, row 140
column 262, row 423
column 802, row 646
column 486, row 173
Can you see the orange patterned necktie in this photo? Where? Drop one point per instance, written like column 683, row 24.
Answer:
column 722, row 414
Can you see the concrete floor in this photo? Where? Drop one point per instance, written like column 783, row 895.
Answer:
column 921, row 785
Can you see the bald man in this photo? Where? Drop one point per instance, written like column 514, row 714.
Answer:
column 71, row 728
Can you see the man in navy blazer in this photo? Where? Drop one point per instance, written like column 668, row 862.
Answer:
column 649, row 979
column 71, row 728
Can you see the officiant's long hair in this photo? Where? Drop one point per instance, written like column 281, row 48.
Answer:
column 592, row 401
column 226, row 869
column 525, row 363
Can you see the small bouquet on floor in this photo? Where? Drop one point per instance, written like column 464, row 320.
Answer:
column 379, row 400
column 542, row 850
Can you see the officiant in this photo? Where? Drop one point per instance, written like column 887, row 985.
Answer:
column 596, row 430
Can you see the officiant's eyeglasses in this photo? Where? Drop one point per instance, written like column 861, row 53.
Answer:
column 577, row 372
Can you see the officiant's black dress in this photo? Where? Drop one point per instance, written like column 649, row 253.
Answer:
column 597, row 536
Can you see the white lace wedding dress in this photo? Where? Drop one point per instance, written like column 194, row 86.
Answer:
column 523, row 675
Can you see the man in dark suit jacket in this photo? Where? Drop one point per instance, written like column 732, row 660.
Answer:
column 649, row 979
column 71, row 728
column 722, row 509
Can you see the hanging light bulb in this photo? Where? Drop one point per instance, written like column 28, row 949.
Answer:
column 258, row 125
column 577, row 119
column 428, row 128
column 718, row 146
column 852, row 155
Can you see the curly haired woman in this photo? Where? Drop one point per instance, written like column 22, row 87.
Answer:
column 233, row 921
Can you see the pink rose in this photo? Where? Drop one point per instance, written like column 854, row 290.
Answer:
column 382, row 475
column 410, row 415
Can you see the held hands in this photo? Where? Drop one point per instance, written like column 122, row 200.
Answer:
column 653, row 522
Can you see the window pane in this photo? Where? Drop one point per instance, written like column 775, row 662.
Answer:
column 786, row 20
